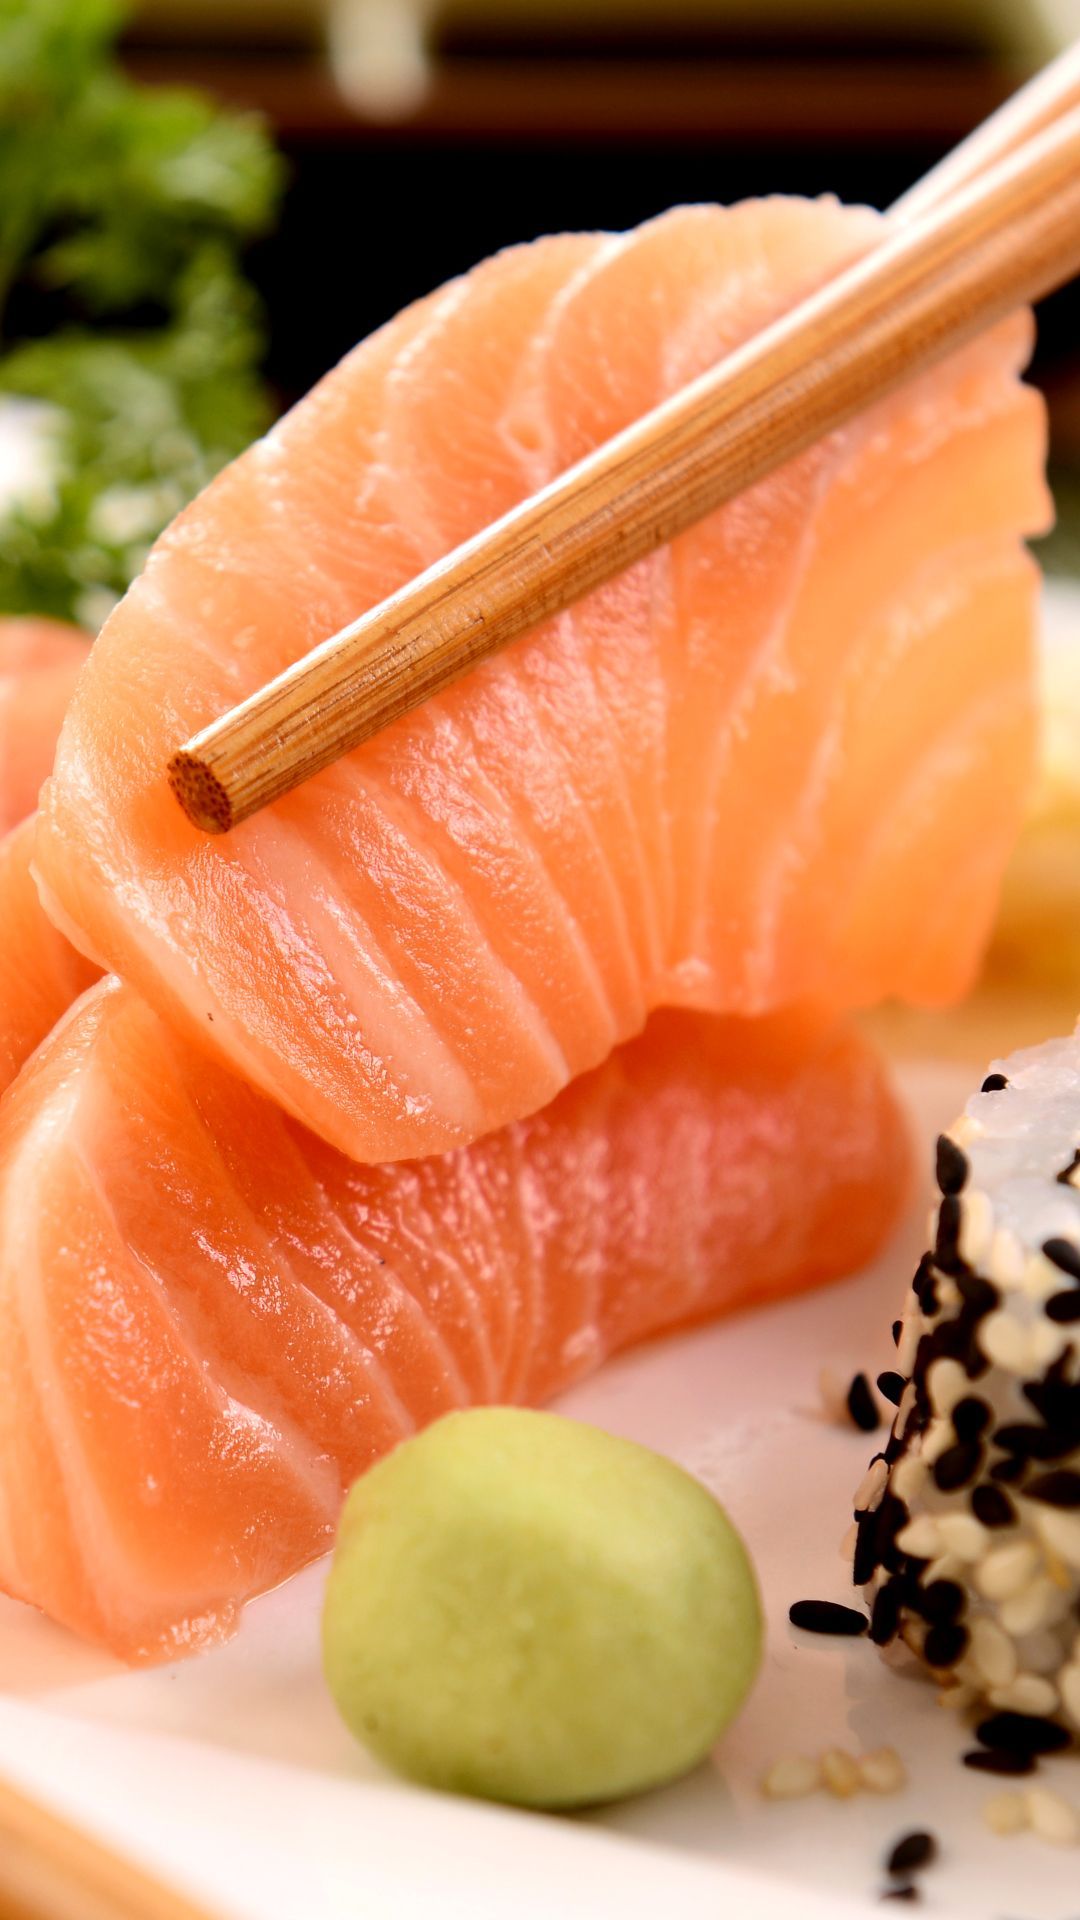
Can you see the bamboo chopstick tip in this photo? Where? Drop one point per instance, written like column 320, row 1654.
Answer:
column 200, row 793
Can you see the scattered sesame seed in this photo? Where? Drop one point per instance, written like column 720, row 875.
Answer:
column 912, row 1853
column 883, row 1771
column 861, row 1405
column 792, row 1778
column 998, row 1760
column 951, row 1165
column 1022, row 1733
column 963, row 1535
column 897, row 1330
column 840, row 1773
column 1005, row 1813
column 826, row 1616
column 1051, row 1817
column 993, row 1653
column 994, row 1083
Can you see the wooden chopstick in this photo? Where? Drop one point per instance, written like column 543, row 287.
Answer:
column 51, row 1870
column 937, row 279
column 1044, row 99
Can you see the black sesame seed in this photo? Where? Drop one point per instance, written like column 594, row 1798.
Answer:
column 951, row 1165
column 1009, row 1470
column 957, row 1466
column 1028, row 1441
column 992, row 1506
column 978, row 1294
column 1060, row 1488
column 947, row 1243
column 945, row 1645
column 970, row 1417
column 942, row 1602
column 861, row 1405
column 865, row 1559
column 1063, row 1308
column 886, row 1614
column 911, row 1853
column 826, row 1616
column 994, row 1083
column 999, row 1760
column 1064, row 1178
column 891, row 1386
column 897, row 1330
column 1064, row 1255
column 1023, row 1733
column 924, row 1286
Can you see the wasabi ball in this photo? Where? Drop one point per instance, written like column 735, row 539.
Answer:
column 527, row 1609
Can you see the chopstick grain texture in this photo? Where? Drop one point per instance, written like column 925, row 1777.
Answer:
column 50, row 1870
column 935, row 281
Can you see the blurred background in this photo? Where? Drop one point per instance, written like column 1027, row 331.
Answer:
column 204, row 203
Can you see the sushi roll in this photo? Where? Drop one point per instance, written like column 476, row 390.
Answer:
column 967, row 1538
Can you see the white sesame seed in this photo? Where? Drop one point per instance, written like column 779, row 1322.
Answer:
column 847, row 1544
column 1051, row 1817
column 937, row 1439
column 840, row 1773
column 911, row 1331
column 1041, row 1277
column 976, row 1225
column 1028, row 1693
column 1007, row 1259
column 883, row 1771
column 1005, row 1813
column 1069, row 1682
column 792, row 1778
column 904, row 1410
column 992, row 1652
column 909, row 1477
column 1046, row 1342
column 963, row 1535
column 919, row 1537
column 946, row 1383
column 871, row 1487
column 1061, row 1531
column 945, row 1567
column 1034, row 1606
column 1007, row 1570
column 1004, row 1341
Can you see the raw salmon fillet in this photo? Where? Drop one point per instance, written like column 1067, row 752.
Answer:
column 39, row 663
column 40, row 973
column 783, row 760
column 211, row 1322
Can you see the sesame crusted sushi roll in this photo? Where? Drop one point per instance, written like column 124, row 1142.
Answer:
column 967, row 1535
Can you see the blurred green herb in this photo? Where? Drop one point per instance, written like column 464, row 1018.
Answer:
column 129, row 338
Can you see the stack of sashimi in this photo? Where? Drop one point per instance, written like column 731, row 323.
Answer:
column 521, row 1033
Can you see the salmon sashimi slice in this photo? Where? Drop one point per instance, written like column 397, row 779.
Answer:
column 40, row 972
column 783, row 760
column 211, row 1321
column 39, row 663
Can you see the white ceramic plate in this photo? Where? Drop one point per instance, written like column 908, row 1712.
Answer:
column 231, row 1774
